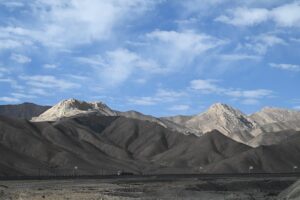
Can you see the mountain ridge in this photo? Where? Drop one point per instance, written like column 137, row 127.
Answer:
column 247, row 129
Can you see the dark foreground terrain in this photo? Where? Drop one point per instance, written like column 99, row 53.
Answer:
column 148, row 188
column 103, row 145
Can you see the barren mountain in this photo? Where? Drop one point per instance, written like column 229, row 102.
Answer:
column 24, row 110
column 179, row 119
column 72, row 107
column 92, row 142
column 275, row 158
column 271, row 138
column 96, row 143
column 271, row 115
column 225, row 119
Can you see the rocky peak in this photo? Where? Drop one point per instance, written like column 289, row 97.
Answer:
column 72, row 107
column 223, row 118
column 273, row 115
column 220, row 108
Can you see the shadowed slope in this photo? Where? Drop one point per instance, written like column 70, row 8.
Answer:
column 24, row 110
column 274, row 159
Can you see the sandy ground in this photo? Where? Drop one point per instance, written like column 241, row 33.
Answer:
column 220, row 189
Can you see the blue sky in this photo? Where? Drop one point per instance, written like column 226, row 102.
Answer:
column 160, row 57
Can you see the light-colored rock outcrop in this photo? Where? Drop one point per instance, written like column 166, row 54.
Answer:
column 270, row 115
column 229, row 121
column 72, row 107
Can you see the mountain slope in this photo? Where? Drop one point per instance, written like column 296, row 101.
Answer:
column 110, row 143
column 274, row 159
column 225, row 119
column 271, row 138
column 72, row 107
column 24, row 110
column 200, row 151
column 270, row 115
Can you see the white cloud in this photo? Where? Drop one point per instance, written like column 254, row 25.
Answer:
column 169, row 94
column 207, row 86
column 249, row 94
column 48, row 82
column 67, row 23
column 9, row 44
column 250, row 102
column 288, row 67
column 4, row 70
column 246, row 96
column 38, row 91
column 22, row 59
column 22, row 95
column 245, row 16
column 239, row 57
column 9, row 99
column 180, row 107
column 7, row 80
column 287, row 15
column 175, row 49
column 186, row 41
column 143, row 101
column 50, row 66
column 117, row 66
column 161, row 96
column 261, row 43
column 11, row 3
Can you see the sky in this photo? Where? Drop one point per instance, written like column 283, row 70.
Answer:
column 160, row 57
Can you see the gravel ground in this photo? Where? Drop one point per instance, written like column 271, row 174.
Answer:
column 214, row 189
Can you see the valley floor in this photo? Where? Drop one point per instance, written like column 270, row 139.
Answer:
column 146, row 188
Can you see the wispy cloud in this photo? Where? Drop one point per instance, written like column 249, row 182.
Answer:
column 288, row 67
column 239, row 57
column 48, row 82
column 22, row 59
column 245, row 96
column 117, row 66
column 50, row 66
column 206, row 86
column 9, row 99
column 12, row 4
column 22, row 95
column 180, row 107
column 64, row 24
column 161, row 96
column 175, row 49
column 287, row 15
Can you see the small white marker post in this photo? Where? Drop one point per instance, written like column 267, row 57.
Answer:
column 200, row 169
column 250, row 169
column 295, row 168
column 75, row 170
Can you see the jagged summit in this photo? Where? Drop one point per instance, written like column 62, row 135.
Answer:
column 72, row 107
column 220, row 108
column 223, row 118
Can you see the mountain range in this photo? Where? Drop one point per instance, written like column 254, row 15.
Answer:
column 93, row 136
